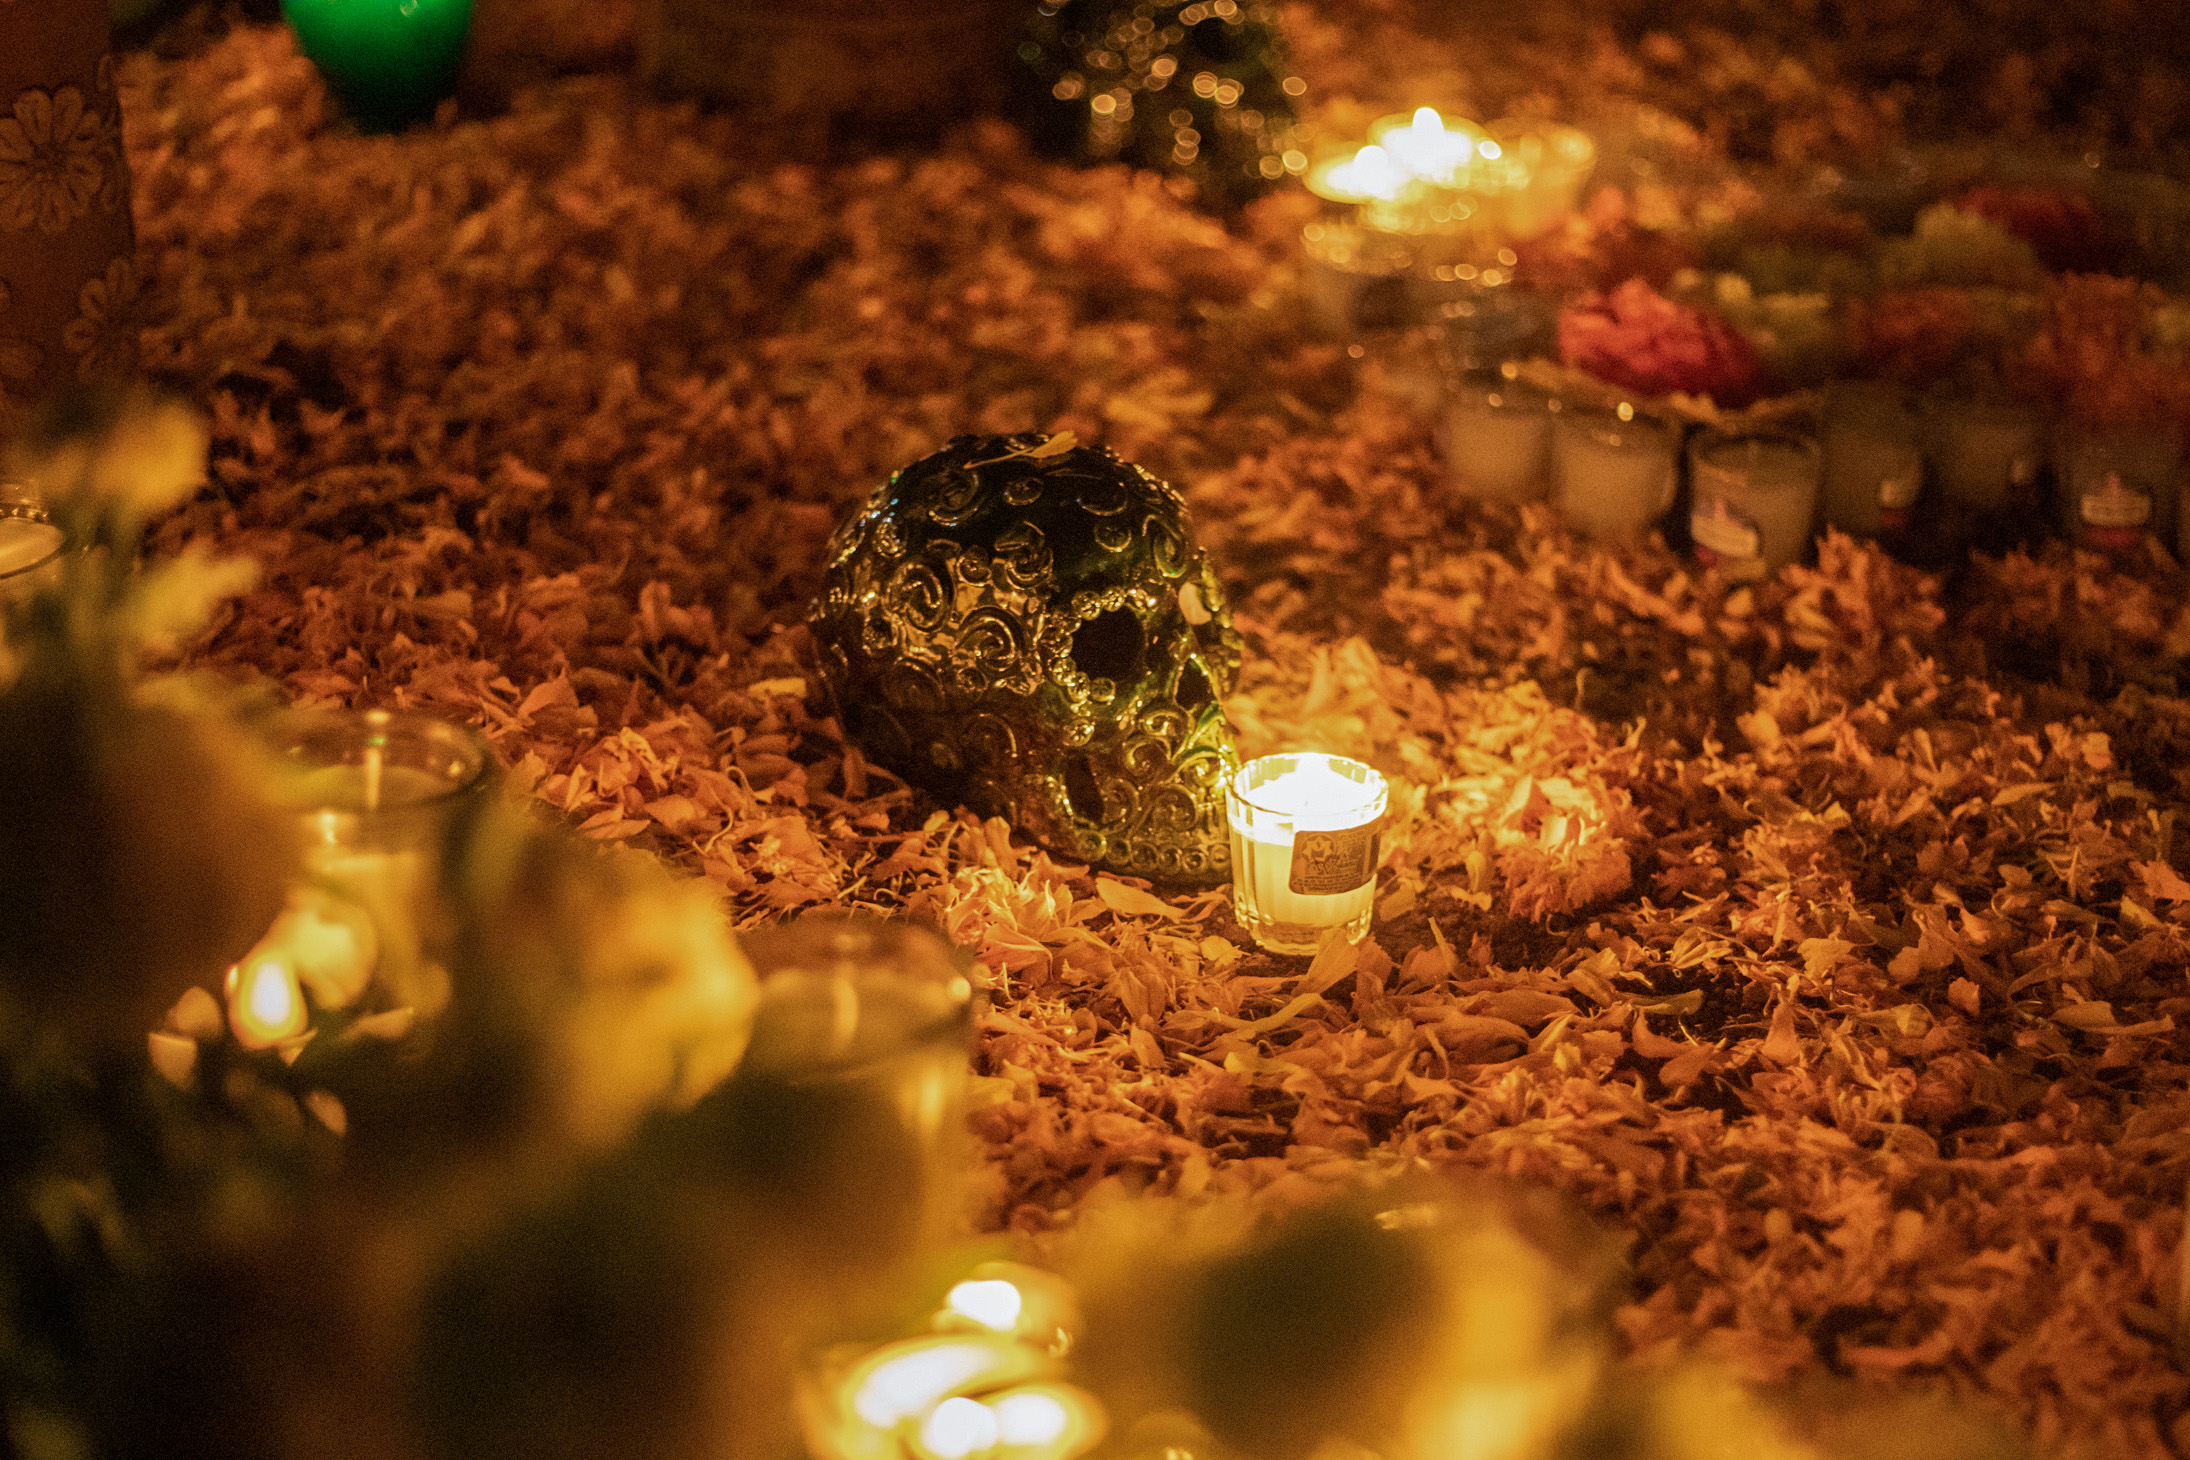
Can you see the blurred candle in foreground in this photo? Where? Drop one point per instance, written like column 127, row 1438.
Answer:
column 1304, row 847
column 265, row 1002
column 30, row 549
column 1614, row 471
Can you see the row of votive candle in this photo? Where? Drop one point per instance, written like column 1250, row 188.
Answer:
column 1759, row 490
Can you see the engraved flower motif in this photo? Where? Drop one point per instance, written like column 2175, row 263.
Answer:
column 99, row 336
column 52, row 160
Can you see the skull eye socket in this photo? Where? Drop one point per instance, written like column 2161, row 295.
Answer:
column 1194, row 689
column 1081, row 792
column 1108, row 646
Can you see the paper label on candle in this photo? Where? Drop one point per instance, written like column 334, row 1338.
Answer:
column 1722, row 531
column 2113, row 504
column 1326, row 863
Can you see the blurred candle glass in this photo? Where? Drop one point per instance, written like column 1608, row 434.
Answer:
column 1755, row 494
column 846, row 1116
column 380, row 793
column 1304, row 848
column 1614, row 470
column 1982, row 451
column 1497, row 436
column 30, row 549
column 1874, row 467
column 1355, row 278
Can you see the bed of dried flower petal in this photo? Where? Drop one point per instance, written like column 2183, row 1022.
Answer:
column 1826, row 938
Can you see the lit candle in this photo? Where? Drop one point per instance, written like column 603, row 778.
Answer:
column 1304, row 848
column 1358, row 177
column 1613, row 471
column 390, row 61
column 377, row 791
column 1429, row 146
column 1755, row 493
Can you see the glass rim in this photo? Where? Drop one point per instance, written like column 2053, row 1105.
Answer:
column 295, row 735
column 36, row 516
column 1376, row 789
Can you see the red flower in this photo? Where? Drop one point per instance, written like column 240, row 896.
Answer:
column 1637, row 338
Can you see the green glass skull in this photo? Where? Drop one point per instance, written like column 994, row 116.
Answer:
column 1028, row 628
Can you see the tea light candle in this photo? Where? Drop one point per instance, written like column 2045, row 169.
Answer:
column 1304, row 848
column 1755, row 493
column 390, row 61
column 1498, row 437
column 1428, row 145
column 1613, row 471
column 1358, row 177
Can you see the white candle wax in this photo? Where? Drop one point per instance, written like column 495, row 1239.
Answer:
column 1612, row 476
column 1304, row 848
column 1755, row 496
column 1498, row 440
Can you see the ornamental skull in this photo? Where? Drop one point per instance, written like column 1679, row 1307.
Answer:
column 1028, row 628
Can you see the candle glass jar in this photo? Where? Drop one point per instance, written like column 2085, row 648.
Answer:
column 1355, row 278
column 846, row 1115
column 381, row 793
column 390, row 61
column 1497, row 435
column 1304, row 848
column 1982, row 452
column 1614, row 470
column 30, row 549
column 2116, row 486
column 1874, row 465
column 1755, row 493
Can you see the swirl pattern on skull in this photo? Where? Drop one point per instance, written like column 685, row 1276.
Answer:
column 1029, row 628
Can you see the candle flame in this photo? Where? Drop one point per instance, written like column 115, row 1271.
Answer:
column 959, row 1427
column 1427, row 122
column 918, row 1375
column 994, row 1304
column 1031, row 1417
column 265, row 1003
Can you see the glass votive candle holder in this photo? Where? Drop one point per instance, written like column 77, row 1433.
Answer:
column 1355, row 278
column 2117, row 485
column 1613, row 469
column 1755, row 493
column 1497, row 436
column 1982, row 452
column 1874, row 464
column 846, row 1115
column 1542, row 168
column 1304, row 848
column 380, row 794
column 30, row 549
